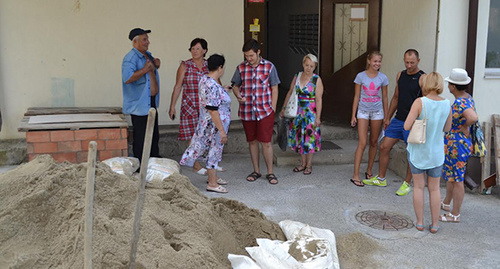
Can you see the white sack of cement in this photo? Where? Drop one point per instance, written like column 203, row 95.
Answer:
column 161, row 168
column 307, row 248
column 307, row 237
column 273, row 254
column 242, row 262
column 123, row 165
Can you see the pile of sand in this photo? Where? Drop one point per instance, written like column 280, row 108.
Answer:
column 42, row 212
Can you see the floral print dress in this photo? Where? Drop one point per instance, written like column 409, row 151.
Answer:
column 304, row 136
column 205, row 144
column 457, row 146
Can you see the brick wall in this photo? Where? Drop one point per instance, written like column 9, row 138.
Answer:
column 73, row 146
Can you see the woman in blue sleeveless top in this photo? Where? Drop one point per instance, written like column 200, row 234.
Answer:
column 429, row 156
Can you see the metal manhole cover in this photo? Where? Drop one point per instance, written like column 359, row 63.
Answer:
column 383, row 220
column 328, row 145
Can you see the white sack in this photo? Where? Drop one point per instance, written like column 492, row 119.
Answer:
column 123, row 165
column 161, row 168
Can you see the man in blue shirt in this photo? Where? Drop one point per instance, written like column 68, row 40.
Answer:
column 141, row 89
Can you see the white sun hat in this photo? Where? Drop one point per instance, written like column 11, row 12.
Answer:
column 458, row 76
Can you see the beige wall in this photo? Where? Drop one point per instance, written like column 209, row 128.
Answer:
column 70, row 52
column 486, row 91
column 452, row 41
column 415, row 28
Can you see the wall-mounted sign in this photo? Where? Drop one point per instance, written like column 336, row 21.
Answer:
column 358, row 13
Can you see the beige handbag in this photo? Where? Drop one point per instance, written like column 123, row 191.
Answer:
column 417, row 132
column 292, row 105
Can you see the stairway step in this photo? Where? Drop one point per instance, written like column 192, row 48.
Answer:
column 344, row 155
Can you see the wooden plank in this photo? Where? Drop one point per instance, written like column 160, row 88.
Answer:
column 496, row 137
column 33, row 111
column 24, row 126
column 73, row 118
column 496, row 120
column 486, row 160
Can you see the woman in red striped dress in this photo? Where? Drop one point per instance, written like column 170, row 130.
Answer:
column 188, row 75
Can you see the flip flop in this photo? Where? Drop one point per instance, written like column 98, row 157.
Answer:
column 357, row 183
column 419, row 227
column 433, row 229
column 202, row 172
column 218, row 189
column 220, row 181
column 368, row 176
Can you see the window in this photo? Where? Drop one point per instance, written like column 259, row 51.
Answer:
column 303, row 34
column 493, row 41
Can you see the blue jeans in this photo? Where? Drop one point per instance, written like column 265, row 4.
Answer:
column 431, row 172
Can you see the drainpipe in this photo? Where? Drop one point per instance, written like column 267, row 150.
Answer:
column 436, row 45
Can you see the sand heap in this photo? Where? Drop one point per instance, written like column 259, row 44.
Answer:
column 42, row 211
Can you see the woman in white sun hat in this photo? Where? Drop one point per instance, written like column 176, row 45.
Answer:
column 458, row 144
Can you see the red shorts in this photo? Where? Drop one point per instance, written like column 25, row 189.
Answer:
column 260, row 130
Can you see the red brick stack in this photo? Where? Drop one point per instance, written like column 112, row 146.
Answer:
column 72, row 146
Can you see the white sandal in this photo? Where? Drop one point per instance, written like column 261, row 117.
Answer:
column 221, row 169
column 445, row 207
column 218, row 189
column 448, row 217
column 202, row 172
column 220, row 181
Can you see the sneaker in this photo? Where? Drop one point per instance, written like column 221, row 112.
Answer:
column 375, row 181
column 404, row 189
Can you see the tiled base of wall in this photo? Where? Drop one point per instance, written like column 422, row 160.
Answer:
column 73, row 146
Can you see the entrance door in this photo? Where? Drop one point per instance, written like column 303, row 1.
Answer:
column 349, row 31
column 256, row 23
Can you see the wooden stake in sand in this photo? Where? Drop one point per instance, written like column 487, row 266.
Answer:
column 142, row 185
column 89, row 204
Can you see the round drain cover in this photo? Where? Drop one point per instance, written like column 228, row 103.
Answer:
column 383, row 220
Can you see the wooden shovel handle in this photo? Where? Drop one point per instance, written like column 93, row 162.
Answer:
column 89, row 204
column 142, row 185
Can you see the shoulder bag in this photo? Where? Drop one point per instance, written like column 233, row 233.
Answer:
column 417, row 132
column 292, row 104
column 477, row 137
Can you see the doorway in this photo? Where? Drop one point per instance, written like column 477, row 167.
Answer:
column 348, row 30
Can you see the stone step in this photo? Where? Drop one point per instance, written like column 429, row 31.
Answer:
column 169, row 145
column 13, row 152
column 342, row 155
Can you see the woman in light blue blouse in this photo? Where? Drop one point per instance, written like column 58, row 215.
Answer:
column 429, row 156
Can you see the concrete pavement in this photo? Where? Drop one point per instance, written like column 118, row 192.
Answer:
column 327, row 199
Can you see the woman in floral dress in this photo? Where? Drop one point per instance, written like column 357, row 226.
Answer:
column 458, row 144
column 305, row 134
column 211, row 132
column 188, row 75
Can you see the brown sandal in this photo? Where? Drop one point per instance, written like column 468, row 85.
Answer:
column 299, row 169
column 308, row 170
column 272, row 178
column 253, row 176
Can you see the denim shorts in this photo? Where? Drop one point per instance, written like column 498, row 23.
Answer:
column 431, row 172
column 396, row 130
column 370, row 115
